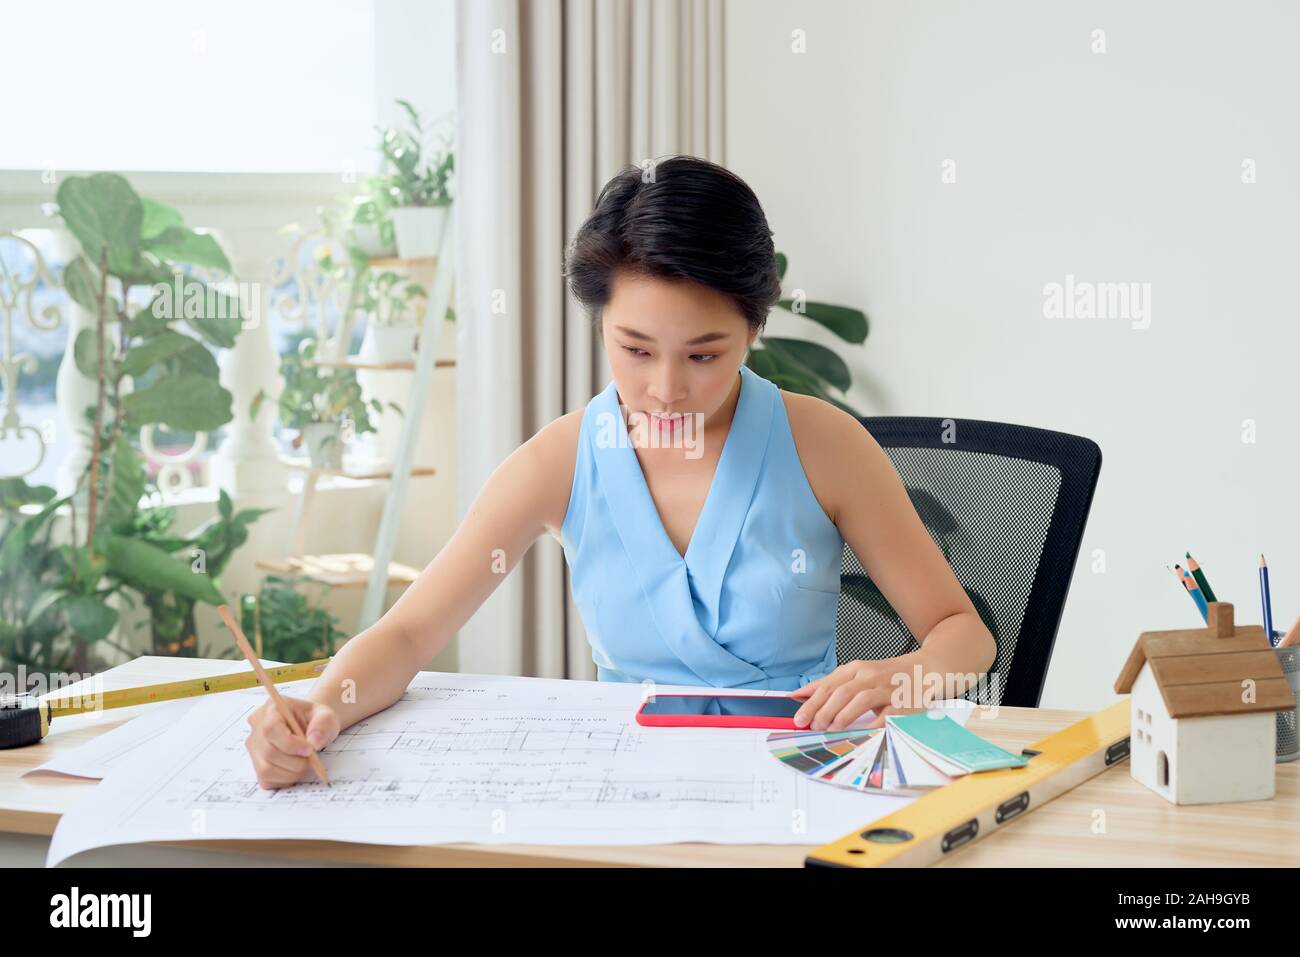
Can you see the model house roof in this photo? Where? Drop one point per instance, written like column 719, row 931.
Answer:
column 1219, row 669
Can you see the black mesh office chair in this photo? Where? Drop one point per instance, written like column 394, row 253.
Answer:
column 1007, row 504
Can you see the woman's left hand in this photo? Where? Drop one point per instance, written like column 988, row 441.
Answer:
column 838, row 699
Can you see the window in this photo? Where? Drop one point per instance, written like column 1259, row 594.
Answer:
column 191, row 85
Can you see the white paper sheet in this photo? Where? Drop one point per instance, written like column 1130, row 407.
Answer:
column 472, row 758
column 97, row 757
column 916, row 770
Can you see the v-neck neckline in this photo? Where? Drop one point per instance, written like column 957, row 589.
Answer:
column 719, row 470
column 683, row 592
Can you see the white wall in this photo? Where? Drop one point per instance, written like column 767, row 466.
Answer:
column 1116, row 166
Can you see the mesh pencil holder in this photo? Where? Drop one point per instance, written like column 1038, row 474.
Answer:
column 1288, row 740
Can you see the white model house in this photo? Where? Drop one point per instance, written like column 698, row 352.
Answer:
column 1203, row 704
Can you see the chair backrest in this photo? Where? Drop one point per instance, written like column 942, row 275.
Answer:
column 1007, row 504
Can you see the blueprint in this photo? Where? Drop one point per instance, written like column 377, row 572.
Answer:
column 470, row 758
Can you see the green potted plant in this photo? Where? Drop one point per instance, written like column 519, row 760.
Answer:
column 392, row 300
column 418, row 184
column 363, row 223
column 319, row 401
column 372, row 230
column 208, row 549
column 285, row 626
column 153, row 366
column 395, row 305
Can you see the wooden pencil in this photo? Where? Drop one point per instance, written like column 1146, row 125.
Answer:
column 1292, row 637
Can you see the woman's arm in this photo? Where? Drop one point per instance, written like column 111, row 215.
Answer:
column 879, row 522
column 372, row 670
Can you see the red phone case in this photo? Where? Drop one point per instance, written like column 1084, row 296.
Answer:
column 712, row 720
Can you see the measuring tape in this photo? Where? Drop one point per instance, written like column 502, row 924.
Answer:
column 975, row 805
column 25, row 719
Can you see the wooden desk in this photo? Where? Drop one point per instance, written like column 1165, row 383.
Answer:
column 1108, row 821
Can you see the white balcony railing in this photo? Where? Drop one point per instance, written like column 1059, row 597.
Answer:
column 248, row 215
column 264, row 222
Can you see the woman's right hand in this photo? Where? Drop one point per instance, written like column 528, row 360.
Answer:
column 279, row 755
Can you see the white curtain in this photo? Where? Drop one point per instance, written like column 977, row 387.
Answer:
column 555, row 97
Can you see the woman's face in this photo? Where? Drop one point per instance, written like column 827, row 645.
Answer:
column 673, row 348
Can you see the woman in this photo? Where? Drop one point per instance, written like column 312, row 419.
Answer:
column 702, row 511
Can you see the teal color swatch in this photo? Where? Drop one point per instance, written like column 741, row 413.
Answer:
column 949, row 740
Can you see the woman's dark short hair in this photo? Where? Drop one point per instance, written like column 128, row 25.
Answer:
column 679, row 218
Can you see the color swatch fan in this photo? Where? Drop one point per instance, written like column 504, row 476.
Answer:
column 910, row 756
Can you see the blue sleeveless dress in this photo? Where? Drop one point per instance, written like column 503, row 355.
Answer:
column 751, row 605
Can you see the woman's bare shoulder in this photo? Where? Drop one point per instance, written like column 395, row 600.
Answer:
column 556, row 450
column 819, row 430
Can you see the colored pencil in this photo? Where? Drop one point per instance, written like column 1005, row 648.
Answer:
column 1264, row 597
column 1179, row 578
column 1190, row 584
column 1199, row 575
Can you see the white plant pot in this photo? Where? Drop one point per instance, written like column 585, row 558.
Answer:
column 389, row 343
column 419, row 230
column 367, row 238
column 324, row 444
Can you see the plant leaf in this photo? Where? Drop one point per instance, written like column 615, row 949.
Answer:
column 193, row 361
column 82, row 284
column 42, row 604
column 218, row 332
column 811, row 357
column 127, row 485
column 144, row 323
column 85, row 353
column 847, row 323
column 185, row 403
column 16, row 542
column 157, row 218
column 102, row 210
column 176, row 244
column 213, row 314
column 147, row 354
column 143, row 566
column 143, row 271
column 89, row 618
column 15, row 493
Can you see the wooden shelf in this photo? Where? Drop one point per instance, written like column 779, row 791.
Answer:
column 377, row 472
column 397, row 261
column 353, row 363
column 339, row 571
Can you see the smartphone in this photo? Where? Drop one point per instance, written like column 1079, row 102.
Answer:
column 719, row 711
